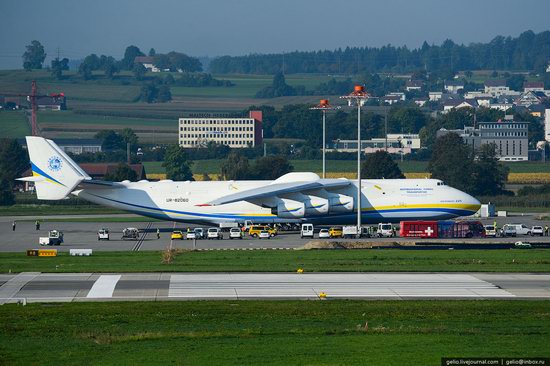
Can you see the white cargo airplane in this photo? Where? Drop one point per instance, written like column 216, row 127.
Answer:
column 293, row 197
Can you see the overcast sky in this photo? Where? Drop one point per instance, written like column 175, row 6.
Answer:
column 237, row 27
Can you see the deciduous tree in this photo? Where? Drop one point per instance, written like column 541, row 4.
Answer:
column 177, row 165
column 380, row 165
column 34, row 56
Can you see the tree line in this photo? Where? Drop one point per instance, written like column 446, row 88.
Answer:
column 528, row 51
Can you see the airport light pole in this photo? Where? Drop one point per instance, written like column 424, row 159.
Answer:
column 324, row 106
column 358, row 96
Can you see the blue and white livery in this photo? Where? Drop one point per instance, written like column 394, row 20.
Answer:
column 293, row 197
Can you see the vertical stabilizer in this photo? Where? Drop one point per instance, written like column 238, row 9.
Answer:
column 55, row 175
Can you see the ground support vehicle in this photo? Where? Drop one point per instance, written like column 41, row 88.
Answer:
column 103, row 234
column 130, row 233
column 55, row 237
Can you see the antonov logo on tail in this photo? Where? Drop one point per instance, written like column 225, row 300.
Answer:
column 55, row 163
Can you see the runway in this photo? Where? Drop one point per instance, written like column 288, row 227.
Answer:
column 53, row 287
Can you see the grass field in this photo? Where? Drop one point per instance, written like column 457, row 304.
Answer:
column 385, row 260
column 68, row 119
column 13, row 124
column 272, row 332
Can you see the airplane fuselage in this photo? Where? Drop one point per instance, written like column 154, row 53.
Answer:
column 383, row 200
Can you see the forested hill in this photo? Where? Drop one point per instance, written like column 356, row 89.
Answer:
column 529, row 51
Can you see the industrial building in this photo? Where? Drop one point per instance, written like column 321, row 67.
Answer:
column 236, row 132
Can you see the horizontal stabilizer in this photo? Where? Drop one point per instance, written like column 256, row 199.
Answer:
column 276, row 189
column 98, row 184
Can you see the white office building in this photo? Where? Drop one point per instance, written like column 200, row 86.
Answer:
column 238, row 132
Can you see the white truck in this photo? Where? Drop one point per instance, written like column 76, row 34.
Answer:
column 55, row 237
column 349, row 231
column 385, row 230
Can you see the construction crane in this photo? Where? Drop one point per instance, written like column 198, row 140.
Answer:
column 31, row 98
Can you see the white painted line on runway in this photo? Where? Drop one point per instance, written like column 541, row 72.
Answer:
column 104, row 287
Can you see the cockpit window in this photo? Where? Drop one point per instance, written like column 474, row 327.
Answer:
column 440, row 183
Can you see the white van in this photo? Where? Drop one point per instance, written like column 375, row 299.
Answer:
column 521, row 229
column 307, row 231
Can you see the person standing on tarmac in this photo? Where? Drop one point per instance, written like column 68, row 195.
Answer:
column 545, row 230
column 158, row 233
column 13, row 225
column 37, row 225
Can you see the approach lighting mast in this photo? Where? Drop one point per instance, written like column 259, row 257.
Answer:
column 324, row 106
column 358, row 97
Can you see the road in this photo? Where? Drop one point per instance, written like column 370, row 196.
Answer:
column 53, row 287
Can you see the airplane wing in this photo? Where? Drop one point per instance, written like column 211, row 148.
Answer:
column 272, row 190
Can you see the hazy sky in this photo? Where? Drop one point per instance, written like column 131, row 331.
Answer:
column 215, row 27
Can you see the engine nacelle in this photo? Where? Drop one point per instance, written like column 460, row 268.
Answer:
column 341, row 203
column 290, row 209
column 316, row 206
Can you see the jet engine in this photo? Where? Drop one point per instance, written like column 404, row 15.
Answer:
column 340, row 203
column 290, row 209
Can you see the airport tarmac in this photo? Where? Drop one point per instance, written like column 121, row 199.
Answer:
column 54, row 287
column 83, row 235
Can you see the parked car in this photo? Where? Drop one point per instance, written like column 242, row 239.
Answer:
column 103, row 234
column 255, row 230
column 307, row 231
column 235, row 233
column 335, row 232
column 264, row 234
column 537, row 230
column 176, row 235
column 214, row 233
column 490, row 230
column 191, row 235
column 323, row 234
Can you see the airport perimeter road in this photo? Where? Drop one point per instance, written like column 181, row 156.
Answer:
column 42, row 287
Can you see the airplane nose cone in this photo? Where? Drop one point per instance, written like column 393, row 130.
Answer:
column 473, row 203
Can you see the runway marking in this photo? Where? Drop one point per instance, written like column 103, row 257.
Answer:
column 15, row 284
column 103, row 287
column 280, row 285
